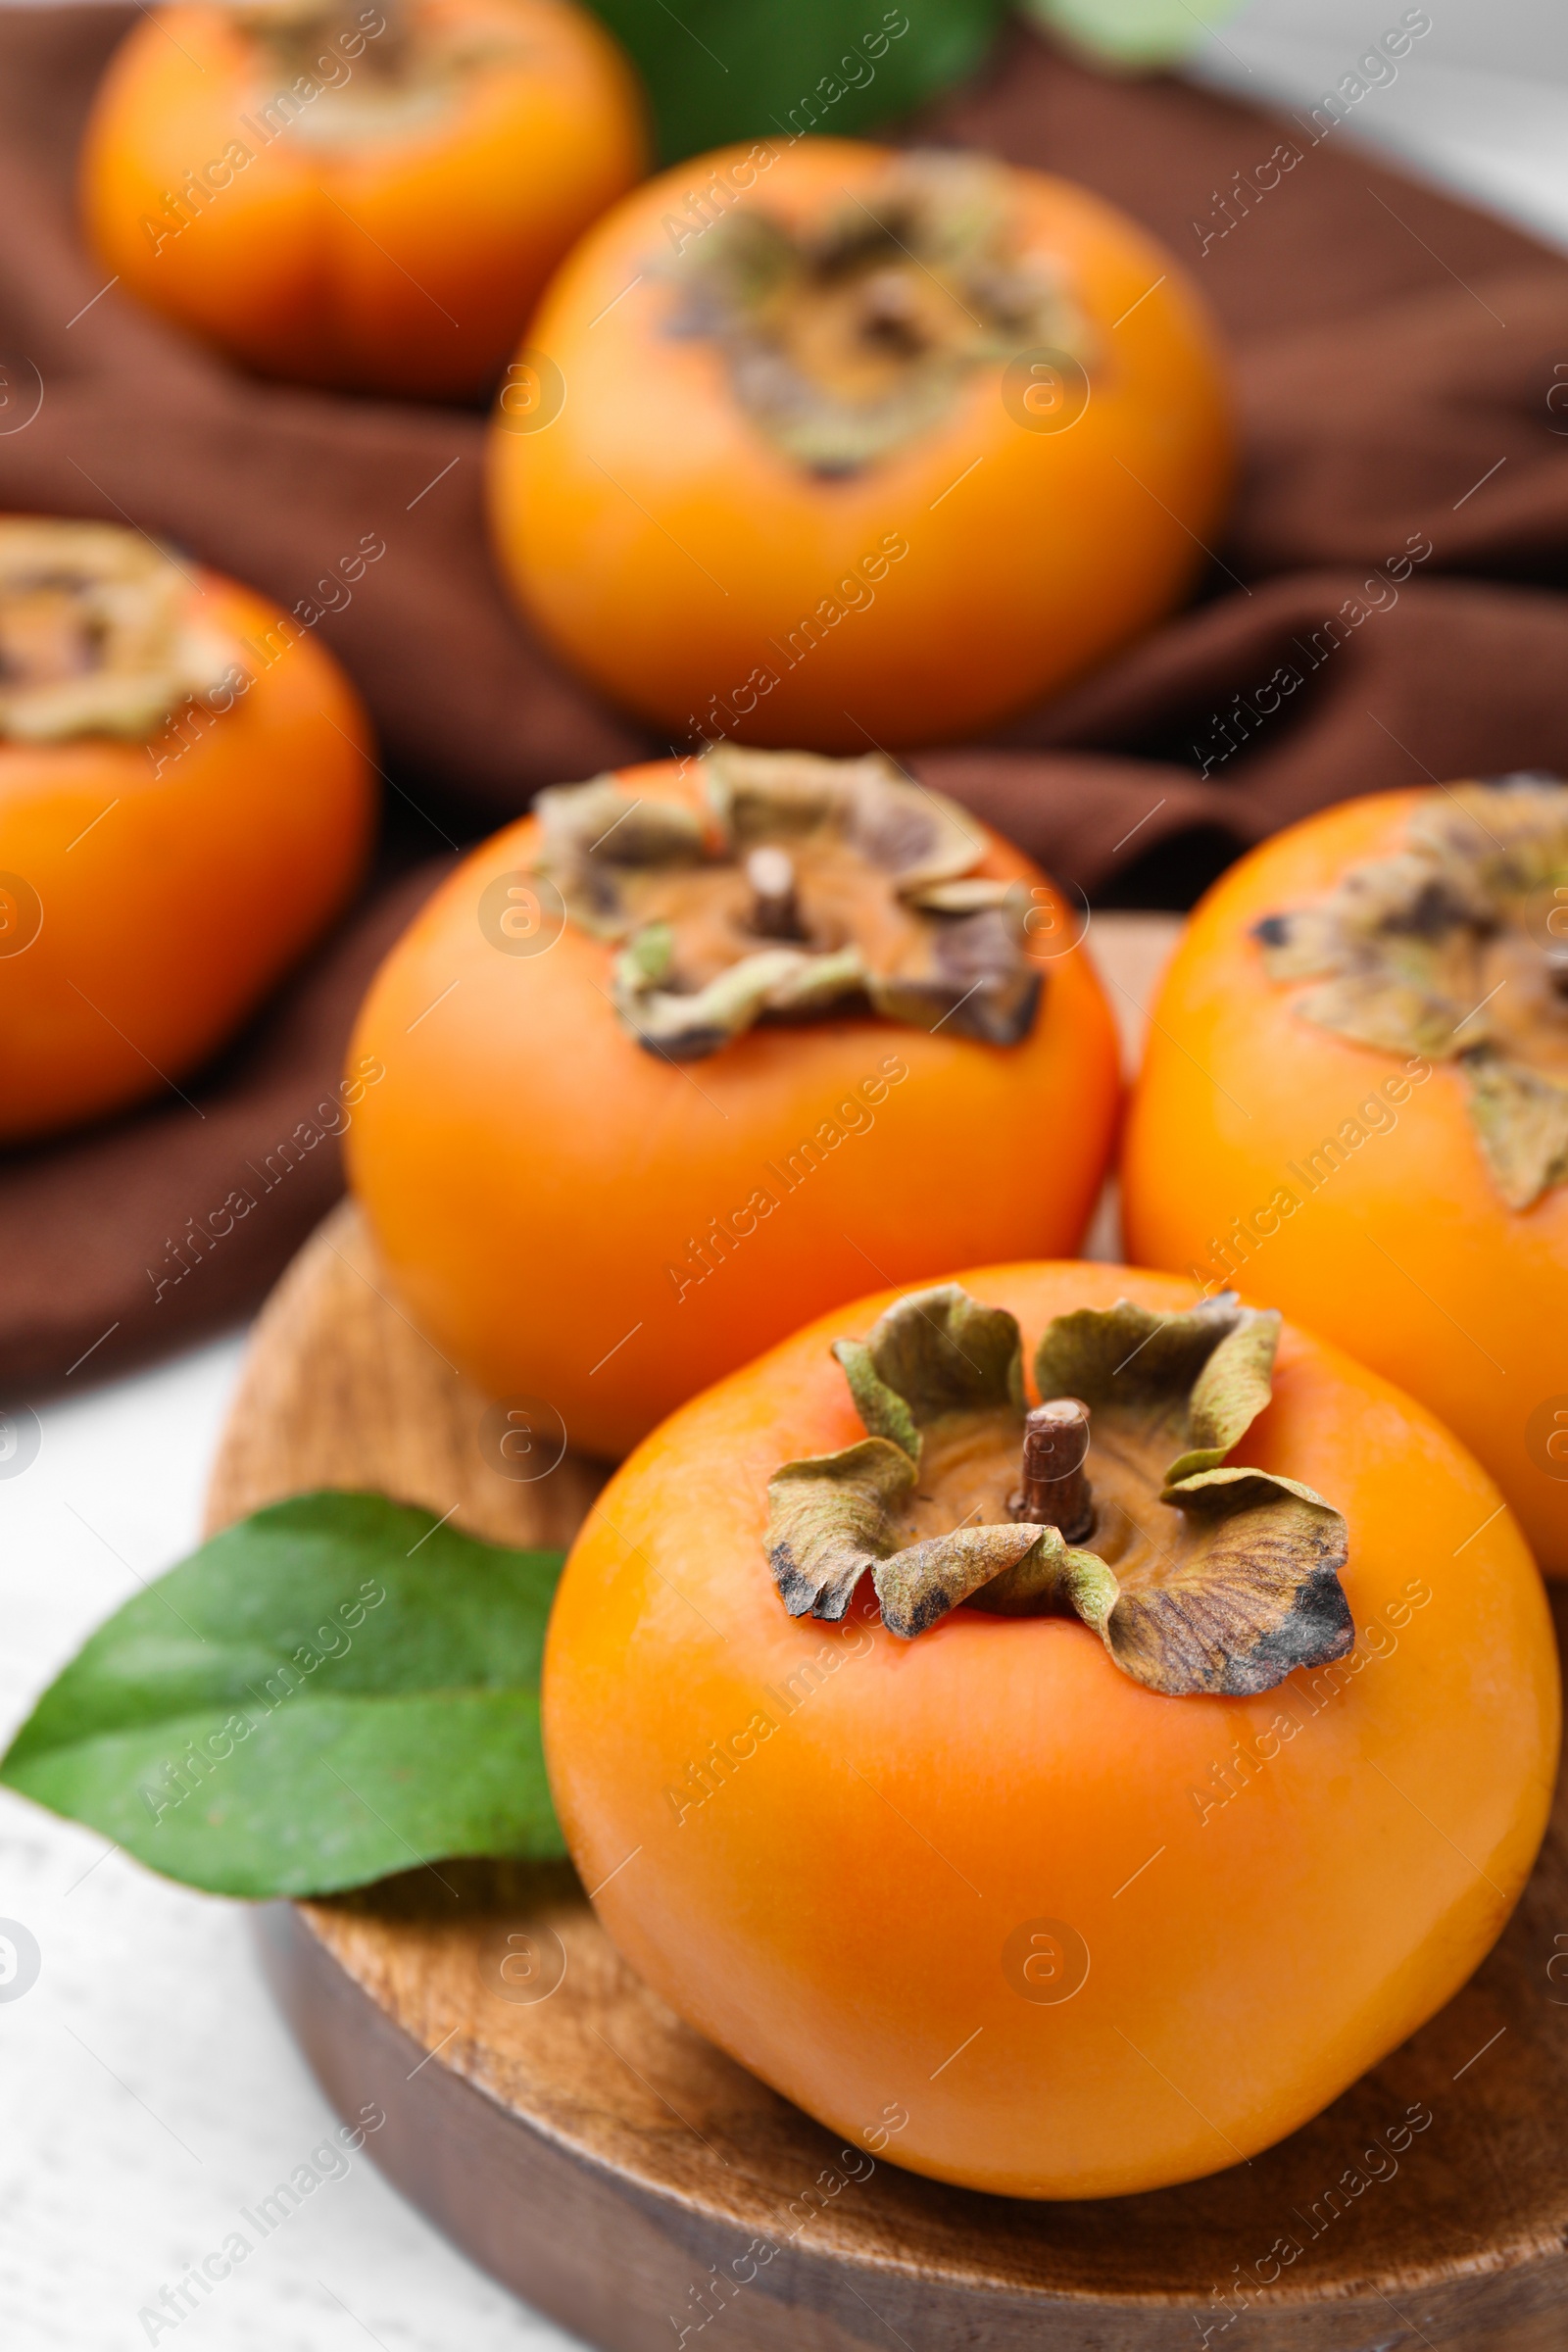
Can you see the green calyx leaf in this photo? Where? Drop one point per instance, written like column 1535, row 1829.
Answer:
column 1254, row 1593
column 851, row 332
column 923, row 1581
column 1520, row 1117
column 1243, row 1589
column 334, row 1690
column 1452, row 950
column 873, row 906
column 828, row 1522
column 725, row 69
column 688, row 1027
column 1196, row 1380
column 884, row 1411
column 97, row 634
column 940, row 1351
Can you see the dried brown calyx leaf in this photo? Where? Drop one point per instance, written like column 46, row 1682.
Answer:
column 1456, row 949
column 848, row 337
column 1227, row 1595
column 406, row 62
column 804, row 886
column 95, row 634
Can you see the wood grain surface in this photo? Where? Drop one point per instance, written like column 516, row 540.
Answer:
column 610, row 2166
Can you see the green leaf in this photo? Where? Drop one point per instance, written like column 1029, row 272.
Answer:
column 1135, row 34
column 334, row 1690
column 722, row 69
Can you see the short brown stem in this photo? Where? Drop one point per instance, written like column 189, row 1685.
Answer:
column 775, row 912
column 1056, row 1491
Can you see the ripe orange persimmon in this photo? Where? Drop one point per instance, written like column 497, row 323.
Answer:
column 991, row 1897
column 856, row 445
column 187, row 797
column 367, row 196
column 693, row 1049
column 1355, row 1098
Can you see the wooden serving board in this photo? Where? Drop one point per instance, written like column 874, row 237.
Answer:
column 566, row 2129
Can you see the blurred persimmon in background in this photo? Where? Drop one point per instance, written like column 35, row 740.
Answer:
column 185, row 802
column 365, row 197
column 850, row 447
column 1355, row 1094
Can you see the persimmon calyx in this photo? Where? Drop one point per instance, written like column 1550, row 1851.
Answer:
column 1456, row 949
column 413, row 69
column 1241, row 1588
column 804, row 886
column 849, row 335
column 95, row 637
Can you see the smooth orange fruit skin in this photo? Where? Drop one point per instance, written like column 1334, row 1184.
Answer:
column 1406, row 1254
column 407, row 264
column 668, row 549
column 835, row 1913
column 532, row 1175
column 175, row 895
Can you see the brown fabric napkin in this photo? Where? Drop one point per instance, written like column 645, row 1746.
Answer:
column 1384, row 604
column 171, row 1223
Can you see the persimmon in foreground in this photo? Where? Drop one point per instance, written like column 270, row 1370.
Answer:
column 856, row 447
column 1355, row 1098
column 1067, row 1801
column 699, row 1049
column 185, row 801
column 361, row 196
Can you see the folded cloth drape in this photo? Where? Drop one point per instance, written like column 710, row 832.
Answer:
column 1387, row 604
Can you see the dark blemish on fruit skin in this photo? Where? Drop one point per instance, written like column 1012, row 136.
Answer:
column 1273, row 931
